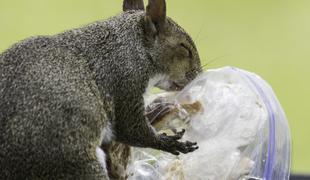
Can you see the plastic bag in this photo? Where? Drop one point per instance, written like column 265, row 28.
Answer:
column 241, row 130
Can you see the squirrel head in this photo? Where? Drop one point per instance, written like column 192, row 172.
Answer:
column 168, row 46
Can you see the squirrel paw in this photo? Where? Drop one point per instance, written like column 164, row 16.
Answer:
column 172, row 145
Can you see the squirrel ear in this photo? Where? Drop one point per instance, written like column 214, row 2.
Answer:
column 156, row 14
column 133, row 5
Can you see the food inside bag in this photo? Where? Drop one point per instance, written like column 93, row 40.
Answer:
column 237, row 121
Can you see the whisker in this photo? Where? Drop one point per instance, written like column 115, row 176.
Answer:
column 193, row 72
column 199, row 32
column 201, row 39
column 216, row 59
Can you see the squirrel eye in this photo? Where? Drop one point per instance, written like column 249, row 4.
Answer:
column 189, row 52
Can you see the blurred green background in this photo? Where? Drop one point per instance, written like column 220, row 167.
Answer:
column 269, row 37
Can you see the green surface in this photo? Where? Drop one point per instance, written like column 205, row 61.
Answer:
column 269, row 37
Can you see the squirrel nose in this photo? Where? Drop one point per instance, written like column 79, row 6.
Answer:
column 191, row 75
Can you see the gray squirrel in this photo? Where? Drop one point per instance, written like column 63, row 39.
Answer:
column 63, row 96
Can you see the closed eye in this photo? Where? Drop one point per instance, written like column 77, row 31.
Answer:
column 190, row 54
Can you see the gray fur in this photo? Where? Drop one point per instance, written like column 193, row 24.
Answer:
column 58, row 93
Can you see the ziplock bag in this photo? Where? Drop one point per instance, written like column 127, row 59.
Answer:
column 240, row 127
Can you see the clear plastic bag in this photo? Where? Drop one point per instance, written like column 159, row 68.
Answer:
column 241, row 130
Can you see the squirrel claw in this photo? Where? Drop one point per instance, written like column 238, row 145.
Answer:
column 172, row 145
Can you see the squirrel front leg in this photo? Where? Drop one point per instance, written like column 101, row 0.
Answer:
column 133, row 128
